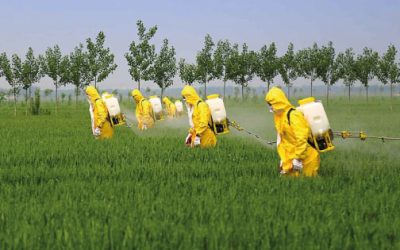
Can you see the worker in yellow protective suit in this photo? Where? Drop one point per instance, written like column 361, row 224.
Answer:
column 101, row 124
column 293, row 133
column 170, row 107
column 144, row 111
column 200, row 133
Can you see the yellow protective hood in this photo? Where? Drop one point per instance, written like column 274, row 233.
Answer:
column 277, row 99
column 166, row 101
column 190, row 95
column 92, row 93
column 137, row 95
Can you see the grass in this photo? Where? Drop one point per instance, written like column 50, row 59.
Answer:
column 60, row 188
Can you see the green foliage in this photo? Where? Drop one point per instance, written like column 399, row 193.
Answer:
column 366, row 67
column 241, row 66
column 164, row 67
column 141, row 55
column 31, row 72
column 100, row 60
column 187, row 72
column 268, row 64
column 288, row 67
column 388, row 70
column 308, row 61
column 205, row 69
column 13, row 74
column 48, row 92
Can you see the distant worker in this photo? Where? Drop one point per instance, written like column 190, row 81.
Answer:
column 293, row 133
column 169, row 107
column 200, row 133
column 101, row 124
column 144, row 111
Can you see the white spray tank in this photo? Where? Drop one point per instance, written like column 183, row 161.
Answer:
column 179, row 107
column 116, row 116
column 218, row 114
column 155, row 102
column 316, row 117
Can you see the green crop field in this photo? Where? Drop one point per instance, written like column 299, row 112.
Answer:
column 60, row 188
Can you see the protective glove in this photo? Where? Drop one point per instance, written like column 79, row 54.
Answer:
column 297, row 165
column 188, row 139
column 197, row 141
column 97, row 132
column 144, row 127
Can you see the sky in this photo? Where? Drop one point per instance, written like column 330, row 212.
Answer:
column 43, row 23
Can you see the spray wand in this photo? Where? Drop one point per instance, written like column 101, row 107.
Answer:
column 239, row 128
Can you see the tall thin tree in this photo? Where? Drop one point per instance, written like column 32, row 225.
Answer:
column 165, row 67
column 100, row 59
column 141, row 55
column 205, row 63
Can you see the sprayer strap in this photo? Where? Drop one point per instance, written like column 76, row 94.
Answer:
column 288, row 114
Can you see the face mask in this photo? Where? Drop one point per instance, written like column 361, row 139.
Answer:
column 270, row 109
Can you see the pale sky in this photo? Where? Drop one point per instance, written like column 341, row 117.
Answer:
column 44, row 23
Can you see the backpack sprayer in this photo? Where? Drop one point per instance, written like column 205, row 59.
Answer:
column 117, row 118
column 156, row 105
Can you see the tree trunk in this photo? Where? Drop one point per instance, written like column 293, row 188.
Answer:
column 349, row 91
column 391, row 96
column 268, row 84
column 76, row 96
column 15, row 102
column 242, row 92
column 366, row 89
column 56, row 98
column 95, row 82
column 26, row 101
column 205, row 90
column 139, row 85
column 162, row 93
column 327, row 94
column 288, row 91
column 224, row 88
column 311, row 86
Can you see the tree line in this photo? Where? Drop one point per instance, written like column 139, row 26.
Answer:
column 92, row 62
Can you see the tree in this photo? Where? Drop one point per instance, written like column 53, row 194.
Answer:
column 366, row 67
column 221, row 56
column 30, row 74
column 100, row 59
column 53, row 65
column 187, row 72
column 241, row 66
column 287, row 67
column 308, row 62
column 346, row 64
column 165, row 67
column 13, row 74
column 328, row 67
column 78, row 69
column 205, row 64
column 389, row 70
column 268, row 64
column 141, row 55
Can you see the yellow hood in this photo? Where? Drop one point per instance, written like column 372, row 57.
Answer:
column 137, row 95
column 190, row 95
column 166, row 101
column 92, row 93
column 277, row 99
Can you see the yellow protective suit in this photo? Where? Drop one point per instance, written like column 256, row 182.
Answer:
column 101, row 118
column 144, row 111
column 170, row 107
column 294, row 136
column 201, row 118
